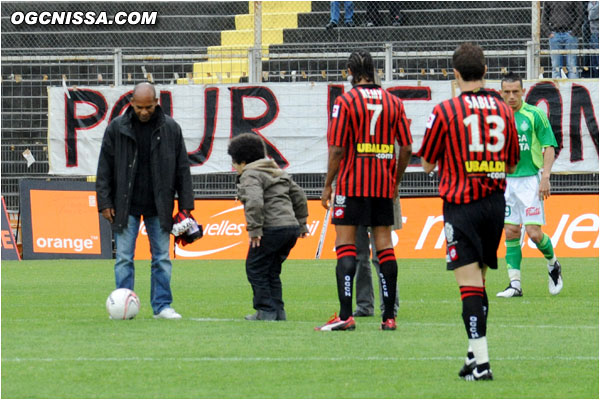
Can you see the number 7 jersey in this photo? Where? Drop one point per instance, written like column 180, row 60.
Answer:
column 472, row 138
column 368, row 122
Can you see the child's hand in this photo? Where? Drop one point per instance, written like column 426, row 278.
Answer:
column 255, row 242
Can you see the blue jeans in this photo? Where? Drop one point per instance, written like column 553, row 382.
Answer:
column 160, row 284
column 564, row 41
column 594, row 57
column 348, row 11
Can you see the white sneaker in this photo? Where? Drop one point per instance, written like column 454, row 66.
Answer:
column 510, row 291
column 168, row 313
column 555, row 282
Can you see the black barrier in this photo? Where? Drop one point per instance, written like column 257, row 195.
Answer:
column 60, row 220
column 9, row 245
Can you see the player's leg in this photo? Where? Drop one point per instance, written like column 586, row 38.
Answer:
column 512, row 227
column 470, row 279
column 544, row 245
column 388, row 273
column 513, row 261
column 382, row 219
column 346, row 216
column 345, row 270
column 533, row 219
column 375, row 262
column 473, row 232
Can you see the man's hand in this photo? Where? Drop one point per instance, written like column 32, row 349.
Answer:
column 109, row 214
column 544, row 188
column 325, row 197
column 255, row 242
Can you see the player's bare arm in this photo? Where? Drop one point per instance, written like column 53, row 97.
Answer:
column 335, row 156
column 545, row 181
column 427, row 166
column 403, row 159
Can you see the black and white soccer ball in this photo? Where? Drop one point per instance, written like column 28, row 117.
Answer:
column 122, row 304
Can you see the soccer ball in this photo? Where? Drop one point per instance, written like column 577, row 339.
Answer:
column 122, row 304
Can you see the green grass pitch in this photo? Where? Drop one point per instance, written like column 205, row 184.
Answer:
column 57, row 340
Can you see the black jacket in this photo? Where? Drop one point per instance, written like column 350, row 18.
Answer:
column 117, row 168
column 562, row 16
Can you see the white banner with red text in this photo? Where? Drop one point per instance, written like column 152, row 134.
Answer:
column 293, row 119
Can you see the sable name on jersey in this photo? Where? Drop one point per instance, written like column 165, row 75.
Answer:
column 481, row 103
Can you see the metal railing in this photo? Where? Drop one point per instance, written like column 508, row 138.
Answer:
column 418, row 46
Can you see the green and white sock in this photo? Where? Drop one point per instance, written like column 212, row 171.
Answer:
column 545, row 246
column 513, row 262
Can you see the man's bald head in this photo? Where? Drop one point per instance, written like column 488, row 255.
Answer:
column 144, row 101
column 144, row 89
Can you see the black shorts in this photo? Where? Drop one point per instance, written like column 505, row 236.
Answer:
column 366, row 211
column 473, row 231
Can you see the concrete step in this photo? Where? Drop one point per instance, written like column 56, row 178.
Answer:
column 213, row 79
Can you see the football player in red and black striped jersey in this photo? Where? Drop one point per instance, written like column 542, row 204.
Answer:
column 473, row 140
column 369, row 148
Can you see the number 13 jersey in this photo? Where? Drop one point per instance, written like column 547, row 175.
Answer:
column 368, row 122
column 473, row 138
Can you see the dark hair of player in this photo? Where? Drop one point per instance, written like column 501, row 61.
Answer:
column 247, row 147
column 361, row 65
column 469, row 61
column 511, row 77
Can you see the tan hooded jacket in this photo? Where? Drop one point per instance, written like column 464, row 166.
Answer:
column 271, row 198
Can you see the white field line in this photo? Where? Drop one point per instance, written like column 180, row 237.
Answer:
column 402, row 323
column 283, row 359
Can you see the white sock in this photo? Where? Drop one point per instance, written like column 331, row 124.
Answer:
column 515, row 278
column 480, row 349
column 469, row 350
column 551, row 263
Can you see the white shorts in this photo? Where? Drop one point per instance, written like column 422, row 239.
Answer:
column 523, row 203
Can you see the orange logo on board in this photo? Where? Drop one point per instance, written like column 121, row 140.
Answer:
column 72, row 226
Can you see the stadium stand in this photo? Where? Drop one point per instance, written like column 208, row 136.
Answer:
column 207, row 42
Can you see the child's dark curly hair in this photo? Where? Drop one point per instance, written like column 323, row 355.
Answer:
column 247, row 147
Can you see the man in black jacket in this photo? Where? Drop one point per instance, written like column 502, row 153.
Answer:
column 143, row 163
column 561, row 24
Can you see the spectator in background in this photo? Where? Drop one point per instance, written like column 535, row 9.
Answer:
column 335, row 14
column 374, row 17
column 143, row 163
column 561, row 23
column 592, row 9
